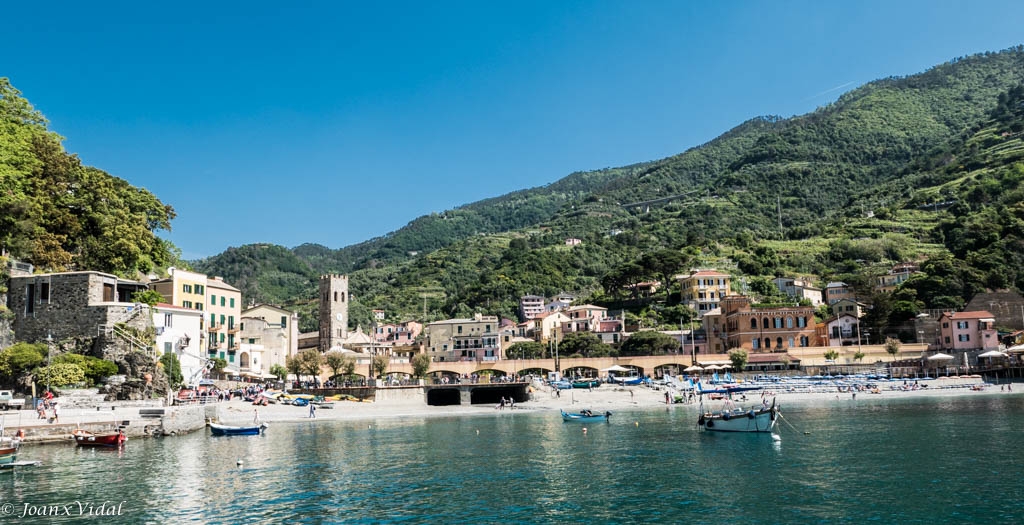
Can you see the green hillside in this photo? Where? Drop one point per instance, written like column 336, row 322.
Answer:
column 771, row 196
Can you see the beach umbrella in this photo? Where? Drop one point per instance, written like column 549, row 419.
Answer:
column 940, row 357
column 992, row 353
column 1016, row 349
column 693, row 368
column 615, row 368
column 712, row 367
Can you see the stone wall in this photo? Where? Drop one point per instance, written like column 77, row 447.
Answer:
column 74, row 308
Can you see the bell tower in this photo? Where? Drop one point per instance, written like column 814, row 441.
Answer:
column 333, row 311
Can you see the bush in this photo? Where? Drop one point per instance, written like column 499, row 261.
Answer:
column 172, row 368
column 60, row 374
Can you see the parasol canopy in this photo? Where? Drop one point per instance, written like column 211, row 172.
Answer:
column 940, row 357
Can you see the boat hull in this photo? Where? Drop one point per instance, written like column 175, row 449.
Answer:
column 226, row 430
column 106, row 439
column 582, row 418
column 586, row 384
column 8, row 455
column 736, row 421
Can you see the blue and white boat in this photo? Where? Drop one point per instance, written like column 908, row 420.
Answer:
column 585, row 416
column 228, row 430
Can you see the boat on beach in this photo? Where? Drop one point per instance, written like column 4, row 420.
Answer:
column 755, row 419
column 627, row 380
column 111, row 439
column 229, row 430
column 586, row 416
column 586, row 383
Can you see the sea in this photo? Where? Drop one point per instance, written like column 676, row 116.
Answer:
column 871, row 459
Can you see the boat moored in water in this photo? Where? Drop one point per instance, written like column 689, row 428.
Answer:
column 585, row 416
column 112, row 439
column 755, row 419
column 229, row 430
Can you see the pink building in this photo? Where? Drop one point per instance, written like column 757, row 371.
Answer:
column 965, row 331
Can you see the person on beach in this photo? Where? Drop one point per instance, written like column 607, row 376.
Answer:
column 312, row 411
column 55, row 420
column 256, row 416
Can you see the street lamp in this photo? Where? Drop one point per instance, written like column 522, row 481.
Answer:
column 49, row 371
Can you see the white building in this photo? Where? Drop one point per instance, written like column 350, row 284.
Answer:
column 179, row 330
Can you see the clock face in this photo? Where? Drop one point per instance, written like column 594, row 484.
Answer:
column 339, row 316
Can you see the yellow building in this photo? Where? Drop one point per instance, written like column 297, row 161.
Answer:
column 703, row 290
column 182, row 288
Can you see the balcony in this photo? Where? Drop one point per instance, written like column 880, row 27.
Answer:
column 215, row 327
column 233, row 329
column 233, row 348
column 214, row 346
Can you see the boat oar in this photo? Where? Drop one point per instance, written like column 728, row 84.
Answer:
column 786, row 421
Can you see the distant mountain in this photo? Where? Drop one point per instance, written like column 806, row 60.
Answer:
column 771, row 195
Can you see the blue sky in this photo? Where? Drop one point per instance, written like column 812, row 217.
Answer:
column 335, row 122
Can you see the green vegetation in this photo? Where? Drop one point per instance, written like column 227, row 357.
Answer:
column 19, row 359
column 280, row 371
column 172, row 369
column 841, row 193
column 59, row 374
column 60, row 215
column 420, row 365
column 738, row 357
column 649, row 343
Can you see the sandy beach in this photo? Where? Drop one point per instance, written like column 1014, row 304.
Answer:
column 604, row 398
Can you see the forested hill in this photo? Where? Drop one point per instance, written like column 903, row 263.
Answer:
column 744, row 198
column 60, row 215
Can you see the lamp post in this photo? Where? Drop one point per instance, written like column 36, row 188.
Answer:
column 49, row 371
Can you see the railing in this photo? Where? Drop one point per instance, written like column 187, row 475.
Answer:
column 134, row 343
column 214, row 327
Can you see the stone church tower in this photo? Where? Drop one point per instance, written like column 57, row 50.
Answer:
column 333, row 311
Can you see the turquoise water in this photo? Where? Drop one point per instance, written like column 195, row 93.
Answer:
column 937, row 460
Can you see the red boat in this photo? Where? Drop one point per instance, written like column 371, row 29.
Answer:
column 84, row 438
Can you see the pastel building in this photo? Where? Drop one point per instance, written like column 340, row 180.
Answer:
column 767, row 329
column 476, row 339
column 275, row 329
column 223, row 313
column 703, row 290
column 966, row 331
column 179, row 331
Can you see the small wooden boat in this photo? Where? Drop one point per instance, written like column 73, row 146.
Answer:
column 229, row 430
column 8, row 455
column 586, row 383
column 757, row 419
column 111, row 439
column 585, row 416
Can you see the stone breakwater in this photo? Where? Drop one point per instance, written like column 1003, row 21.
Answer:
column 137, row 422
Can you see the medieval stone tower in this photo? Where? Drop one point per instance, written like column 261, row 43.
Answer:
column 333, row 311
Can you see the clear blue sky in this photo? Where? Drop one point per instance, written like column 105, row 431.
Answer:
column 335, row 122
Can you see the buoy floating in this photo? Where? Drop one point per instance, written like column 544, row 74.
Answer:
column 584, row 430
column 478, row 432
column 239, row 463
column 637, row 423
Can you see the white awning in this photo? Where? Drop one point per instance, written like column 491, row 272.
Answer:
column 987, row 320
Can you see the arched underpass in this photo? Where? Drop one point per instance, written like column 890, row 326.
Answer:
column 493, row 395
column 444, row 397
